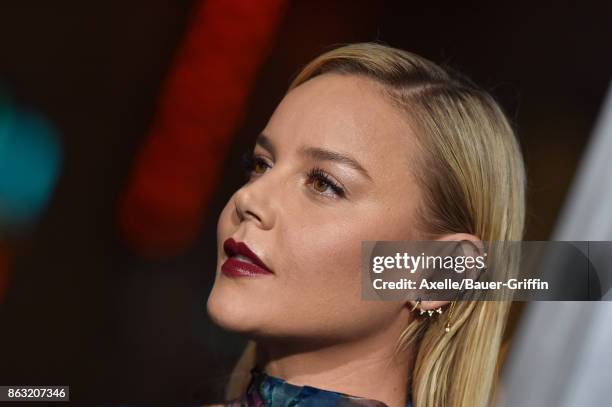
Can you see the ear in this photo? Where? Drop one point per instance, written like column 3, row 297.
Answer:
column 470, row 244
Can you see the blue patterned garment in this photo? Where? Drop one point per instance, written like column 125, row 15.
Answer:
column 269, row 391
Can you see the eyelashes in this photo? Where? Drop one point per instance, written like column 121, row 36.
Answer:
column 317, row 177
column 316, row 174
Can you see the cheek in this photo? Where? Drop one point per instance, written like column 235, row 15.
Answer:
column 322, row 279
column 324, row 255
column 328, row 250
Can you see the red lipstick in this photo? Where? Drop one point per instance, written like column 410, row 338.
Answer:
column 242, row 262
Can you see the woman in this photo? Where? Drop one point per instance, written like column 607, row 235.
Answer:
column 369, row 143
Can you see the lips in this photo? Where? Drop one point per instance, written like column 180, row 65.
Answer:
column 242, row 262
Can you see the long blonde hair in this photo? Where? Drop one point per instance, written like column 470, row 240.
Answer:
column 473, row 180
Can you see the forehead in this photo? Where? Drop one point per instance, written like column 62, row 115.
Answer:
column 344, row 113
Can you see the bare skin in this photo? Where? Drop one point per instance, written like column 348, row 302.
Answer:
column 308, row 318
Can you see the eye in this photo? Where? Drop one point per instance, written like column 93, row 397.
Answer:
column 259, row 167
column 323, row 184
column 253, row 165
column 320, row 185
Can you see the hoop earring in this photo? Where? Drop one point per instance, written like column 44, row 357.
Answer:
column 416, row 305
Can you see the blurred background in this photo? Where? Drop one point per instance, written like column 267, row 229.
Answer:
column 121, row 129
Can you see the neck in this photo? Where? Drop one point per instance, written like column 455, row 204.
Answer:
column 367, row 368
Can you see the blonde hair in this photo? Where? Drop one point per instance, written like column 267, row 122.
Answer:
column 473, row 178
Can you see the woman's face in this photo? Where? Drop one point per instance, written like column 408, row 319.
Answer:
column 332, row 168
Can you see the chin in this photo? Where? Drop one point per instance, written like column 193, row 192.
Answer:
column 232, row 314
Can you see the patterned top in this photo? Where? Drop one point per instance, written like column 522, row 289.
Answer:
column 269, row 391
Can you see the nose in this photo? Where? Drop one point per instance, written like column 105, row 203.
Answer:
column 254, row 202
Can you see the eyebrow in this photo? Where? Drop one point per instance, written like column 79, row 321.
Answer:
column 319, row 154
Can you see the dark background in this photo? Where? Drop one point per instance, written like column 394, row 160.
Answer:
column 83, row 310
